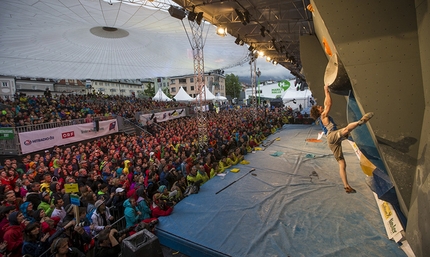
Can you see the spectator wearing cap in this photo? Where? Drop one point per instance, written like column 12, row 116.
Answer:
column 13, row 235
column 46, row 204
column 4, row 215
column 101, row 217
column 119, row 198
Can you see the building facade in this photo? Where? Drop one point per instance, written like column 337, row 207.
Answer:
column 214, row 81
column 8, row 88
column 120, row 87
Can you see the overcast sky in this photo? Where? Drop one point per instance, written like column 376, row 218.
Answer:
column 267, row 69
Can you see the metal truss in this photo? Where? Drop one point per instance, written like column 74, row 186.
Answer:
column 197, row 45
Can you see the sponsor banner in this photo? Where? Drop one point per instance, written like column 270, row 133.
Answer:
column 6, row 133
column 42, row 139
column 205, row 108
column 148, row 118
column 392, row 223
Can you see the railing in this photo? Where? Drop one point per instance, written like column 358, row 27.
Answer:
column 134, row 124
column 58, row 124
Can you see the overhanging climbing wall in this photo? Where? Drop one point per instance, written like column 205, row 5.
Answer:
column 379, row 45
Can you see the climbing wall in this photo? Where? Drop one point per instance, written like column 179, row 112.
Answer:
column 384, row 48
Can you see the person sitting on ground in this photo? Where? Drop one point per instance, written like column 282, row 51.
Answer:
column 336, row 136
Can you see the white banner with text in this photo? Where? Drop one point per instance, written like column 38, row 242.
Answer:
column 43, row 139
column 148, row 118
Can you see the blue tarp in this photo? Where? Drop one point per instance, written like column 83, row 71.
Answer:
column 291, row 205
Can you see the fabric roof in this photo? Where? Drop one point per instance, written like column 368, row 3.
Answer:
column 160, row 96
column 97, row 40
column 183, row 96
column 209, row 95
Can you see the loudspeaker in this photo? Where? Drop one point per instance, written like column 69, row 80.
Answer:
column 141, row 244
column 96, row 125
column 176, row 12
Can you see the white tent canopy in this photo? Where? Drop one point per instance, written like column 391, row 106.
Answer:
column 183, row 96
column 220, row 97
column 300, row 97
column 209, row 95
column 160, row 96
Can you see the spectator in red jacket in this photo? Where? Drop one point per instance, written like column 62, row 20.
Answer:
column 13, row 234
column 158, row 207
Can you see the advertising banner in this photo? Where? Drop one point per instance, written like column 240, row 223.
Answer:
column 6, row 133
column 43, row 139
column 147, row 119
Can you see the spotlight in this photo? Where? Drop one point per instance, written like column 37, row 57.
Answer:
column 199, row 18
column 221, row 31
column 274, row 62
column 239, row 41
column 241, row 16
column 274, row 45
column 263, row 31
column 268, row 58
column 192, row 16
column 176, row 12
column 282, row 49
column 246, row 16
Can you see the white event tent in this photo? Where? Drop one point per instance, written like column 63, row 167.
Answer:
column 183, row 96
column 219, row 97
column 160, row 96
column 209, row 95
column 300, row 97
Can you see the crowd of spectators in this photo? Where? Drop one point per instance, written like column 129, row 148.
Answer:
column 26, row 110
column 137, row 178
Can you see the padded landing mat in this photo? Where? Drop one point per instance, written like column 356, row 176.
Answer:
column 293, row 204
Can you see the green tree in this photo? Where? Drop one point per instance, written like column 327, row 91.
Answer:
column 232, row 85
column 166, row 91
column 149, row 91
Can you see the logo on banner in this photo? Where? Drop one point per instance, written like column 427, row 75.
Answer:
column 112, row 125
column 29, row 142
column 68, row 134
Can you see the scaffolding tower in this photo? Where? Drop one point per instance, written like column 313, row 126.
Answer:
column 197, row 45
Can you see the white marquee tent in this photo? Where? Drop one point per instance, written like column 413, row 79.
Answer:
column 300, row 97
column 219, row 97
column 183, row 96
column 160, row 96
column 209, row 95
